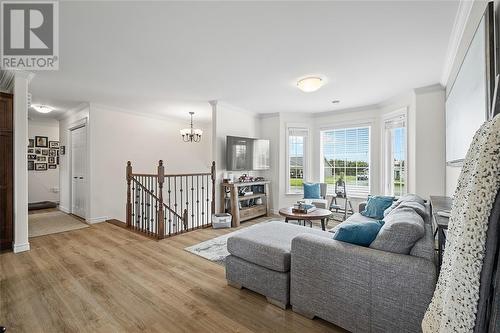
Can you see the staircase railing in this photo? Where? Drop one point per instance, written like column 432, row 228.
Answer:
column 161, row 205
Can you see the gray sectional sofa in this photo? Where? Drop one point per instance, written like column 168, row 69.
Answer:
column 361, row 289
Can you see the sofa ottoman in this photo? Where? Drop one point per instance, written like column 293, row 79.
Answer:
column 260, row 259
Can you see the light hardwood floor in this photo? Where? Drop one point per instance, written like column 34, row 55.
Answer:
column 107, row 279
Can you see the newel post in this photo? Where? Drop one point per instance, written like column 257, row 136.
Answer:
column 161, row 211
column 213, row 187
column 129, row 195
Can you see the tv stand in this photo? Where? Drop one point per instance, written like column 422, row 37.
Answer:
column 245, row 207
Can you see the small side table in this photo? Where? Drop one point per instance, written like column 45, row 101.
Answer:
column 440, row 223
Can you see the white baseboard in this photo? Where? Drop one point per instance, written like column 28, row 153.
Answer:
column 21, row 247
column 275, row 211
column 64, row 209
column 94, row 220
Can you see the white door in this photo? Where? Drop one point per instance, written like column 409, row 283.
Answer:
column 78, row 174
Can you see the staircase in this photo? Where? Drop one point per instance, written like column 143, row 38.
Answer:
column 162, row 205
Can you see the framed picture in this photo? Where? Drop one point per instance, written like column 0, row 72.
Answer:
column 45, row 152
column 31, row 165
column 52, row 160
column 52, row 166
column 31, row 143
column 38, row 151
column 54, row 144
column 32, row 157
column 53, row 152
column 40, row 166
column 41, row 158
column 41, row 141
column 31, row 151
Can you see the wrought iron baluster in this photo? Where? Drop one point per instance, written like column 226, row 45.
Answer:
column 202, row 199
column 209, row 216
column 197, row 201
column 169, row 212
column 175, row 204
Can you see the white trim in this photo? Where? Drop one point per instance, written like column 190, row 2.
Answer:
column 17, row 248
column 305, row 158
column 64, row 209
column 383, row 141
column 347, row 124
column 463, row 12
column 95, row 220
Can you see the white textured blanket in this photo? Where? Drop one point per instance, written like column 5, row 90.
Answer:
column 454, row 304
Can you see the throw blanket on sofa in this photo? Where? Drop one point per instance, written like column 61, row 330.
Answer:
column 454, row 304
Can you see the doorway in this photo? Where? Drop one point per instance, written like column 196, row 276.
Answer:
column 78, row 166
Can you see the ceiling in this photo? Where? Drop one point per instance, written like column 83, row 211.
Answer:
column 169, row 58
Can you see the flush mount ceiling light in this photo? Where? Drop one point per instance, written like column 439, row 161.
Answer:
column 42, row 108
column 310, row 83
column 191, row 134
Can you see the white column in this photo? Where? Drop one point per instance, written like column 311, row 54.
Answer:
column 21, row 83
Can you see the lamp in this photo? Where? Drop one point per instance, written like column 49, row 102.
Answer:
column 191, row 134
column 310, row 84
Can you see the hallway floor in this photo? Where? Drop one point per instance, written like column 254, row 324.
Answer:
column 52, row 221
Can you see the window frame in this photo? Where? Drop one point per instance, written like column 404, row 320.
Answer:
column 305, row 158
column 346, row 126
column 387, row 171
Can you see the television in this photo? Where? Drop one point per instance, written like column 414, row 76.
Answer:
column 246, row 154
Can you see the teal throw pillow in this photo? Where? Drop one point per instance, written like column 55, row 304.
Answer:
column 359, row 233
column 376, row 206
column 312, row 191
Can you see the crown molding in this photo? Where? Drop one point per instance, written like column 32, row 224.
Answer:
column 428, row 89
column 463, row 13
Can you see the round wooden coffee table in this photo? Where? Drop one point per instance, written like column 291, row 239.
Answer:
column 317, row 214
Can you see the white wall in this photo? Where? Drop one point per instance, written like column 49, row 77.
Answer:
column 118, row 136
column 43, row 185
column 430, row 145
column 269, row 128
column 232, row 121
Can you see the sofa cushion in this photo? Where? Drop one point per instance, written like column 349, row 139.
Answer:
column 402, row 229
column 358, row 233
column 269, row 244
column 356, row 217
column 312, row 191
column 376, row 206
column 404, row 198
column 417, row 207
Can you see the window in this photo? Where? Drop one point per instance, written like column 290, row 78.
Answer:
column 297, row 140
column 346, row 156
column 395, row 156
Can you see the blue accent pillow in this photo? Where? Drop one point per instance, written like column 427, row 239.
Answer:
column 376, row 206
column 312, row 191
column 359, row 233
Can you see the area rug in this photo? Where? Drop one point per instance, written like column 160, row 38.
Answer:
column 215, row 249
column 40, row 224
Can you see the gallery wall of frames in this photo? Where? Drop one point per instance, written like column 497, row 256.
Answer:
column 43, row 154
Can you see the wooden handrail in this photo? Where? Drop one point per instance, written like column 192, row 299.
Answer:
column 155, row 197
column 162, row 205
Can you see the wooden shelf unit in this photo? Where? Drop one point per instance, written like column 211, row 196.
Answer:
column 230, row 202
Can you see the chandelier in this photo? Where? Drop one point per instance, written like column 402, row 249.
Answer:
column 191, row 134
